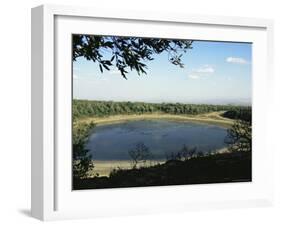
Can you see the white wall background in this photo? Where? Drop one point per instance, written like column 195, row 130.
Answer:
column 15, row 112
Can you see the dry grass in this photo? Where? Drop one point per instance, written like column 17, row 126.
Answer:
column 104, row 167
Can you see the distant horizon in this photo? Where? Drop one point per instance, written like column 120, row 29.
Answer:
column 214, row 102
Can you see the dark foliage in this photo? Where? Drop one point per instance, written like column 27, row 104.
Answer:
column 140, row 153
column 239, row 136
column 244, row 114
column 220, row 168
column 127, row 53
column 81, row 159
column 184, row 154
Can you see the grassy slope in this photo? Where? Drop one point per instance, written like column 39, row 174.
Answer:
column 104, row 167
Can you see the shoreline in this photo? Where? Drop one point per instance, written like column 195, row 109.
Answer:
column 104, row 167
column 213, row 118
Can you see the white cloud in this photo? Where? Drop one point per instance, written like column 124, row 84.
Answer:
column 206, row 69
column 236, row 60
column 75, row 76
column 202, row 71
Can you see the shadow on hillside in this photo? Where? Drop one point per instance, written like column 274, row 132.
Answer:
column 218, row 168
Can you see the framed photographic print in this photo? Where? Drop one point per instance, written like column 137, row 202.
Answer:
column 140, row 113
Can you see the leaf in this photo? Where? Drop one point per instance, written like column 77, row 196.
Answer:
column 101, row 68
column 107, row 62
column 108, row 44
column 106, row 67
column 123, row 73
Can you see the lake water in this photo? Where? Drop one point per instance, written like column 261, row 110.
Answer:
column 112, row 142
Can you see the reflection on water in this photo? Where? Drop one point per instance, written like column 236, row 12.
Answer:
column 112, row 142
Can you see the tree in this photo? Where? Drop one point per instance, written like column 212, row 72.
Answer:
column 242, row 113
column 82, row 159
column 200, row 154
column 127, row 52
column 139, row 154
column 239, row 136
column 187, row 152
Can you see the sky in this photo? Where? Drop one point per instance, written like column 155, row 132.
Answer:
column 214, row 73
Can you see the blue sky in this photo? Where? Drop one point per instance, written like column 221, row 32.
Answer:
column 214, row 72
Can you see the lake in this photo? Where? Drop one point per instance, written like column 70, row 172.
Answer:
column 112, row 142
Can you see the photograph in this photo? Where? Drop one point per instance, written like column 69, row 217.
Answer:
column 152, row 111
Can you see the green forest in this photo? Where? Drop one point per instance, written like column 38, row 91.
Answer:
column 90, row 108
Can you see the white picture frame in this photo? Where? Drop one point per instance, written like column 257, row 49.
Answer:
column 52, row 197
